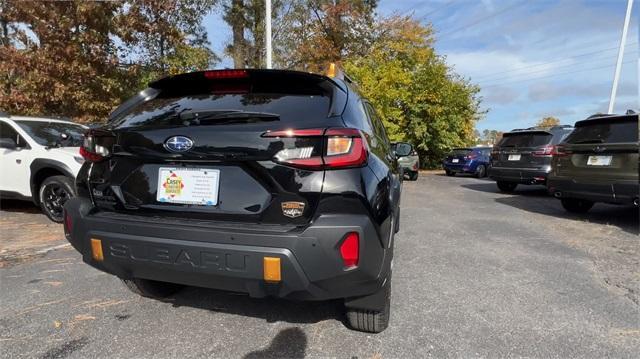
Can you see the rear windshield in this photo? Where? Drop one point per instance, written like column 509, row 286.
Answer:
column 612, row 130
column 165, row 111
column 271, row 96
column 527, row 139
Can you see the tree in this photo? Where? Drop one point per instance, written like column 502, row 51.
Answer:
column 81, row 59
column 548, row 122
column 417, row 95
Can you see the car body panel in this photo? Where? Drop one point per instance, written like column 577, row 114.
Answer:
column 254, row 186
column 573, row 176
column 468, row 159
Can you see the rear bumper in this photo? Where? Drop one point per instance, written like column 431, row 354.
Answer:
column 620, row 191
column 231, row 258
column 460, row 167
column 520, row 175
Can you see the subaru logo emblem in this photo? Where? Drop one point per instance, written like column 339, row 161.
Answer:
column 178, row 144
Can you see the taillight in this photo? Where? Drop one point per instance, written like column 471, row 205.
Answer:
column 324, row 149
column 96, row 145
column 561, row 151
column 546, row 151
column 350, row 250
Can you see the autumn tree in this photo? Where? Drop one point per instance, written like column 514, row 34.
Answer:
column 80, row 59
column 420, row 99
column 548, row 122
column 58, row 59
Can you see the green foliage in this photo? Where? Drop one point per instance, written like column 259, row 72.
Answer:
column 416, row 94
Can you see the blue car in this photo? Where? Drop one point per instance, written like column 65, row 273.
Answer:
column 474, row 160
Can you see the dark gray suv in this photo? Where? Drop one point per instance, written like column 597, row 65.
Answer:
column 523, row 156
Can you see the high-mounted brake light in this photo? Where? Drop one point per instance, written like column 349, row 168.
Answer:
column 350, row 250
column 339, row 148
column 226, row 74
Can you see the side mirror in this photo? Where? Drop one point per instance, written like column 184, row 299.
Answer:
column 8, row 143
column 403, row 149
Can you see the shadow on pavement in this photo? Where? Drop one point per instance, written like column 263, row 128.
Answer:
column 522, row 190
column 270, row 309
column 13, row 205
column 535, row 199
column 288, row 343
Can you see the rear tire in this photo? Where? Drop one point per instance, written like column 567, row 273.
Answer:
column 53, row 193
column 151, row 288
column 574, row 205
column 506, row 186
column 481, row 171
column 372, row 321
column 413, row 176
column 449, row 173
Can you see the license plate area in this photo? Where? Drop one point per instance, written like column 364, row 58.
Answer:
column 197, row 186
column 455, row 160
column 599, row 160
column 514, row 157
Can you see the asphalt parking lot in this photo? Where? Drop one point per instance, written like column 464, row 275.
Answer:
column 476, row 273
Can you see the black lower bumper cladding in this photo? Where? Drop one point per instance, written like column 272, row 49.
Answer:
column 232, row 258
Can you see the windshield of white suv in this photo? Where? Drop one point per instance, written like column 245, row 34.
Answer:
column 54, row 134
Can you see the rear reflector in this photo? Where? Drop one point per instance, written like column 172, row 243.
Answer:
column 68, row 223
column 272, row 269
column 226, row 74
column 350, row 250
column 96, row 250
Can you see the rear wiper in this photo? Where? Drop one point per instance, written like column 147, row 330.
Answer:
column 593, row 140
column 195, row 118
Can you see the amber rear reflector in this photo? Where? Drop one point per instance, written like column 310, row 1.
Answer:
column 272, row 269
column 96, row 250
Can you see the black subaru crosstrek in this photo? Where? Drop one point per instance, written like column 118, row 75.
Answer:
column 523, row 156
column 265, row 182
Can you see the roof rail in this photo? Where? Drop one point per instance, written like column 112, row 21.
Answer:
column 600, row 114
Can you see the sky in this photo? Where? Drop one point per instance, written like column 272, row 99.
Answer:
column 530, row 58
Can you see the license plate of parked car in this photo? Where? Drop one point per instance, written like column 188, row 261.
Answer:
column 455, row 160
column 188, row 186
column 599, row 161
column 514, row 157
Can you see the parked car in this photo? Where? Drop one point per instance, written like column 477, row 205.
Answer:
column 39, row 161
column 267, row 182
column 598, row 162
column 523, row 156
column 410, row 165
column 475, row 160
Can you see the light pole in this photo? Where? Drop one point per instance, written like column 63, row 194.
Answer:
column 267, row 20
column 616, row 76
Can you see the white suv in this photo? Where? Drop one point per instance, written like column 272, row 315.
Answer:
column 39, row 161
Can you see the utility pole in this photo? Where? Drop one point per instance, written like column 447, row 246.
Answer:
column 267, row 20
column 616, row 76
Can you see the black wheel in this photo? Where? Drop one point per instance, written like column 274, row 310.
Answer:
column 506, row 186
column 54, row 192
column 151, row 288
column 450, row 173
column 413, row 176
column 481, row 171
column 372, row 321
column 574, row 205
